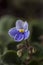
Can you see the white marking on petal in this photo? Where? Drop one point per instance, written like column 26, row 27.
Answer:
column 12, row 32
column 26, row 35
column 25, row 26
column 20, row 38
column 19, row 24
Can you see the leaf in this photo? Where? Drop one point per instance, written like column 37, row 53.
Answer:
column 10, row 57
column 39, row 54
column 25, row 55
column 12, row 46
column 33, row 62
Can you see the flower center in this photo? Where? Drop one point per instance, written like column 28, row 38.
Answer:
column 21, row 30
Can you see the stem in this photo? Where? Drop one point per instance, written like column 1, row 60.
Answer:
column 27, row 44
column 31, row 53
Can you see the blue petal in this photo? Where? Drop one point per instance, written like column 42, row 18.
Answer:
column 25, row 26
column 26, row 35
column 19, row 24
column 19, row 37
column 12, row 32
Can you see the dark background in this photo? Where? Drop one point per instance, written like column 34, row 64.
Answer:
column 26, row 10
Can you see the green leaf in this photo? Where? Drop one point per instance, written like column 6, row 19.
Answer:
column 39, row 54
column 10, row 57
column 33, row 62
column 25, row 55
column 12, row 46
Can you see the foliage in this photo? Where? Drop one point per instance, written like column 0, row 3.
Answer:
column 8, row 48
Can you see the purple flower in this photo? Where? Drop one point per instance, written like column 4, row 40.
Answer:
column 20, row 32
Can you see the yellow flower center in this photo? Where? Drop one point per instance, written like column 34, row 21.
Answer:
column 21, row 30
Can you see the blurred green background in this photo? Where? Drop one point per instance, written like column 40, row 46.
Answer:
column 32, row 12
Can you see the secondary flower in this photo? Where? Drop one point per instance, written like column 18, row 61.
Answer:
column 20, row 31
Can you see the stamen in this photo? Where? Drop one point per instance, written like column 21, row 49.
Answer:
column 21, row 30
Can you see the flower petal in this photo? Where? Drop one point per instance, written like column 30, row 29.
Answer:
column 25, row 26
column 19, row 24
column 26, row 35
column 12, row 32
column 19, row 37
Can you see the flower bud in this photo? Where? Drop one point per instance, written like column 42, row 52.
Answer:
column 28, row 58
column 19, row 46
column 27, row 61
column 19, row 53
column 33, row 50
column 29, row 51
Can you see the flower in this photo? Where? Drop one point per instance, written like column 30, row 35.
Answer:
column 20, row 32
